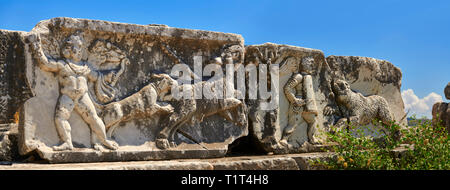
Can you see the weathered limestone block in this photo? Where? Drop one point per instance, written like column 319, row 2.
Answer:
column 103, row 92
column 304, row 93
column 441, row 111
column 14, row 89
column 371, row 83
column 447, row 91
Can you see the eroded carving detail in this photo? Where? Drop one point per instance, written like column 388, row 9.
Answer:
column 196, row 110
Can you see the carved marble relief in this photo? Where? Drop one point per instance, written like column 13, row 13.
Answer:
column 107, row 93
column 315, row 99
column 305, row 98
column 73, row 75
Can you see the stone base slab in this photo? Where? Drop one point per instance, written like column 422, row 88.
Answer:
column 131, row 153
column 266, row 162
column 146, row 153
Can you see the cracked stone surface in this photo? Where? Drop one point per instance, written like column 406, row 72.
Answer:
column 85, row 90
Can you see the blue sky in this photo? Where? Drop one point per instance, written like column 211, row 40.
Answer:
column 413, row 35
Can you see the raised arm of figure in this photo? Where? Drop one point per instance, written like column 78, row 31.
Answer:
column 289, row 89
column 46, row 64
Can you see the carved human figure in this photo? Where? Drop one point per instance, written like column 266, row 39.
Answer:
column 300, row 94
column 72, row 75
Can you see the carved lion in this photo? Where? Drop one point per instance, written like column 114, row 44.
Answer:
column 140, row 104
column 357, row 109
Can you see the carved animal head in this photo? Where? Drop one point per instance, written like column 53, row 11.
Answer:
column 341, row 87
column 163, row 82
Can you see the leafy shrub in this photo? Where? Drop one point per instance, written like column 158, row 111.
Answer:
column 429, row 148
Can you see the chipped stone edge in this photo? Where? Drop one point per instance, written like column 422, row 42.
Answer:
column 290, row 47
column 378, row 61
column 126, row 28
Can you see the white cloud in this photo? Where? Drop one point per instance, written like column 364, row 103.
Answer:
column 420, row 107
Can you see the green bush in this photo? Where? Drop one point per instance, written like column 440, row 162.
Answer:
column 428, row 149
